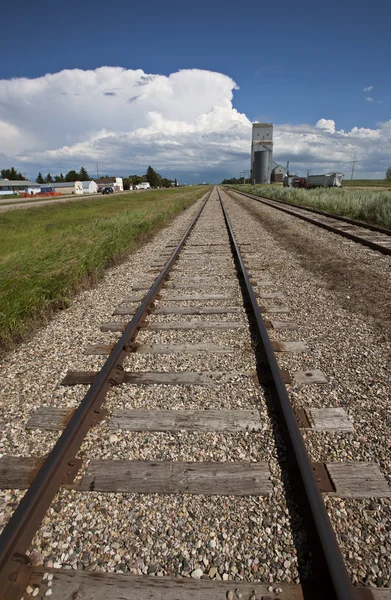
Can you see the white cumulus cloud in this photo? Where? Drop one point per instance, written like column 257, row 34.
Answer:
column 368, row 89
column 326, row 125
column 184, row 123
column 125, row 119
column 323, row 149
column 369, row 99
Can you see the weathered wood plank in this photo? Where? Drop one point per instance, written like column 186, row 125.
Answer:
column 271, row 295
column 55, row 418
column 114, row 326
column 289, row 347
column 309, row 377
column 204, row 261
column 163, row 378
column 217, row 258
column 283, row 325
column 184, row 297
column 329, row 419
column 197, row 325
column 50, row 418
column 230, row 421
column 83, row 585
column 200, row 278
column 274, row 308
column 124, row 310
column 99, row 349
column 177, row 325
column 217, row 242
column 17, row 472
column 208, row 347
column 172, row 477
column 351, row 479
column 204, row 285
column 262, row 283
column 206, row 270
column 197, row 310
column 358, row 480
column 133, row 299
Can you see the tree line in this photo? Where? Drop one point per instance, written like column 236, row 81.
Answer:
column 151, row 176
column 72, row 175
column 232, row 181
column 12, row 175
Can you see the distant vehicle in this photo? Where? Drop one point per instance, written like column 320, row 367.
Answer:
column 313, row 181
column 328, row 180
column 142, row 186
column 107, row 190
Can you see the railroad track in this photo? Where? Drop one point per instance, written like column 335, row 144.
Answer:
column 201, row 287
column 372, row 236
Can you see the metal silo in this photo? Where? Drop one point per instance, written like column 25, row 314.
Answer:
column 262, row 166
column 262, row 143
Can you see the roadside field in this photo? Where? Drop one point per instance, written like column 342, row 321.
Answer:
column 6, row 206
column 370, row 206
column 49, row 253
column 10, row 197
column 367, row 183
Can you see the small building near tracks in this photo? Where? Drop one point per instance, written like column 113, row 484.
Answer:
column 66, row 187
column 278, row 173
column 9, row 186
column 90, row 187
column 115, row 182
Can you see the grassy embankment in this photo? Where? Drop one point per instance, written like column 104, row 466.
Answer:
column 10, row 196
column 49, row 253
column 367, row 183
column 365, row 205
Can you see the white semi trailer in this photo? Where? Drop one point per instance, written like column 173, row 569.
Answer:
column 313, row 181
column 328, row 180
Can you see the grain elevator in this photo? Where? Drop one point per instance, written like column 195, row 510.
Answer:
column 261, row 152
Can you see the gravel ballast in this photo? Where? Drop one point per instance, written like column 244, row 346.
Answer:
column 208, row 536
column 350, row 344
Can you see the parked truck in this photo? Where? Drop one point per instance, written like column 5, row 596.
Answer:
column 313, row 181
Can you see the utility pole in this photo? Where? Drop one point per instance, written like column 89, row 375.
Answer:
column 353, row 163
column 97, row 171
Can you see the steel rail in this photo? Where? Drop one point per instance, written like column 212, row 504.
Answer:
column 25, row 521
column 346, row 234
column 342, row 586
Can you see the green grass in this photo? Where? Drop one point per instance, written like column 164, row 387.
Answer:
column 10, row 196
column 386, row 183
column 19, row 200
column 49, row 253
column 365, row 205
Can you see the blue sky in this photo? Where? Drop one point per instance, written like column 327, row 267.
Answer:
column 294, row 64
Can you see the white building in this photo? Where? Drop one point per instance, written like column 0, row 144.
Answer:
column 67, row 187
column 278, row 173
column 115, row 182
column 9, row 186
column 89, row 187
